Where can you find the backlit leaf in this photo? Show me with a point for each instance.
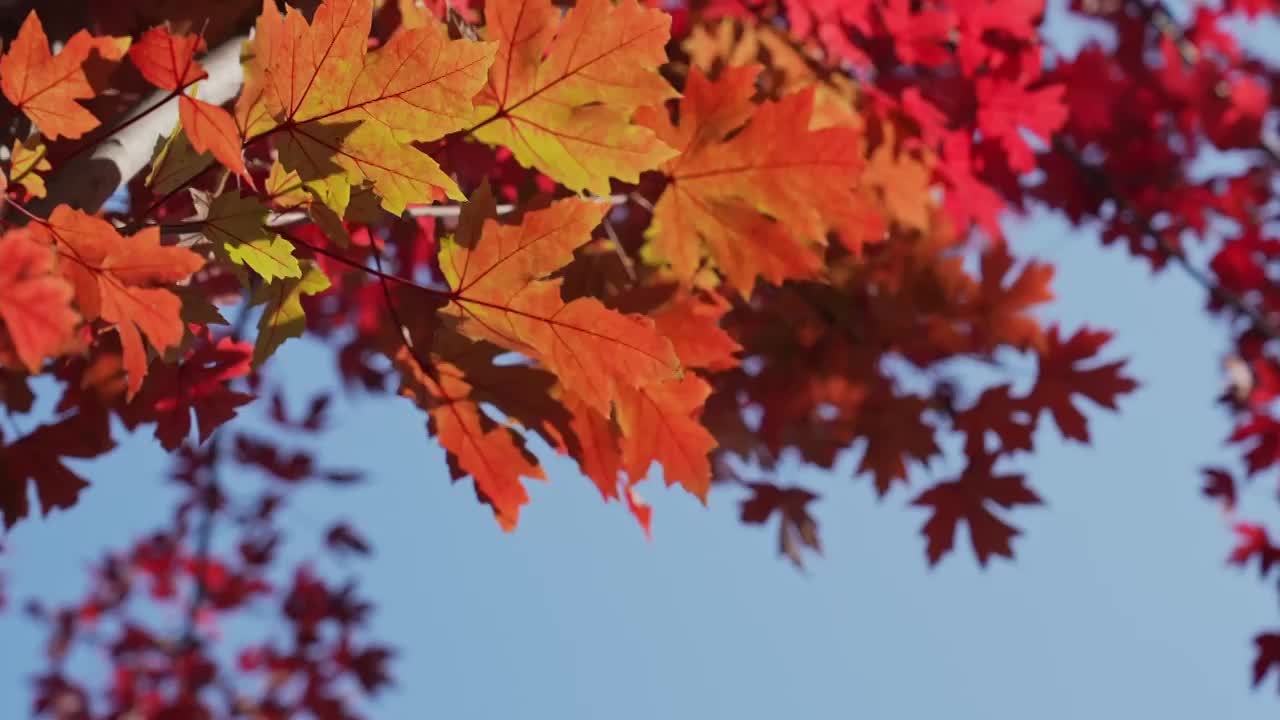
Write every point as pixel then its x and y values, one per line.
pixel 563 89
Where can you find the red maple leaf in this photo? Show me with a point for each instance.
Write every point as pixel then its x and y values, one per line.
pixel 37 457
pixel 197 384
pixel 967 500
pixel 1060 378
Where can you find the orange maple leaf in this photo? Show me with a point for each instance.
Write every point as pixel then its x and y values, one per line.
pixel 501 294
pixel 120 281
pixel 692 324
pixel 660 422
pixel 345 115
pixel 46 86
pixel 35 304
pixel 758 200
pixel 495 456
pixel 598 446
pixel 169 62
pixel 563 89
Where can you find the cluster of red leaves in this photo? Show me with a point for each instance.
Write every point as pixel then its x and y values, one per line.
pixel 1155 131
pixel 164 611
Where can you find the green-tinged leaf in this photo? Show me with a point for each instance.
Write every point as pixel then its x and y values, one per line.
pixel 283 317
pixel 237 228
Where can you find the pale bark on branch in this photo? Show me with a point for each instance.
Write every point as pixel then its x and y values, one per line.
pixel 87 181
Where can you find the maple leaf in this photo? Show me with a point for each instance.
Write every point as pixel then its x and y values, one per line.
pixel 563 89
pixel 596 446
pixel 37 457
pixel 796 527
pixel 1005 107
pixel 758 199
pixel 493 455
pixel 1268 656
pixel 169 62
pixel 45 86
pixel 1059 379
pixel 895 431
pixel 35 303
pixel 175 162
pixel 692 324
pixel 283 316
pixel 1254 541
pixel 120 281
pixel 997 411
pixel 966 500
pixel 347 115
pixel 1219 485
pixel 500 294
pixel 900 180
pixel 26 162
pixel 660 423
pixel 237 227
pixel 1004 310
pixel 197 384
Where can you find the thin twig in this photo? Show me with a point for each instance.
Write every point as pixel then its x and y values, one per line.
pixel 209 495
pixel 1256 316
pixel 1160 16
pixel 277 221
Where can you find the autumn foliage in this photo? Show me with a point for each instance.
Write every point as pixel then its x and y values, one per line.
pixel 675 242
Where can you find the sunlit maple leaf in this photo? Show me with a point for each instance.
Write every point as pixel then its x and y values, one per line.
pixel 26 162
pixel 346 115
pixel 37 457
pixel 1060 378
pixel 758 200
pixel 169 62
pixel 283 316
pixel 501 294
pixel 597 446
pixel 237 227
pixel 965 500
pixel 121 280
pixel 692 324
pixel 46 87
pixel 493 455
pixel 660 424
pixel 563 89
pixel 35 303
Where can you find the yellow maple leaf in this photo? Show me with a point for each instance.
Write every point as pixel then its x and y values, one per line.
pixel 344 116
pixel 562 91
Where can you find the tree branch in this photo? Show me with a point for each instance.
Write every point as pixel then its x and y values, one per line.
pixel 88 180
pixel 1257 317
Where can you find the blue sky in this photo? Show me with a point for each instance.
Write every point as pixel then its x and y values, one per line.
pixel 1119 601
